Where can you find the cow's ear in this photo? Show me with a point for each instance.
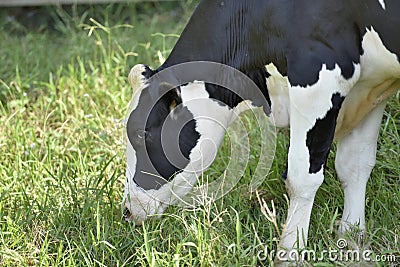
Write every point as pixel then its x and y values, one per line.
pixel 138 76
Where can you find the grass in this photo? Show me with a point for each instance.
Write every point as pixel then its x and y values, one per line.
pixel 64 93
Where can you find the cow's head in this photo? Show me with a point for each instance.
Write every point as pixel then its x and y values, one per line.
pixel 173 135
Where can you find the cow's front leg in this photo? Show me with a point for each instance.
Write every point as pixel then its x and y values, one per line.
pixel 314 111
pixel 311 136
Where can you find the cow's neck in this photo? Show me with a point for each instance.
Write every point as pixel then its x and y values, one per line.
pixel 232 33
pixel 231 38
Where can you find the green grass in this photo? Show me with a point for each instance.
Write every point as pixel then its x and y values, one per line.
pixel 64 93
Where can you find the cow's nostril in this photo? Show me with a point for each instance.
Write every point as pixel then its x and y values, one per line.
pixel 127 213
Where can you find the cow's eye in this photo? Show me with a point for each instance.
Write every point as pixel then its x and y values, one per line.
pixel 141 135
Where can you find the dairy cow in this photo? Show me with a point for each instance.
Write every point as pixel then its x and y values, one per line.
pixel 326 68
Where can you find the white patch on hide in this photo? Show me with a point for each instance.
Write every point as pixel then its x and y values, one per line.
pixel 382 3
pixel 278 90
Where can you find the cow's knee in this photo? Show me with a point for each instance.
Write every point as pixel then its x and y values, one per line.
pixel 301 183
pixel 354 164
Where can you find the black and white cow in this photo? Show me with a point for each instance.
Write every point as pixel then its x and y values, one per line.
pixel 326 67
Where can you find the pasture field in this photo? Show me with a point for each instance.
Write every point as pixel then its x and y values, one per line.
pixel 63 98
